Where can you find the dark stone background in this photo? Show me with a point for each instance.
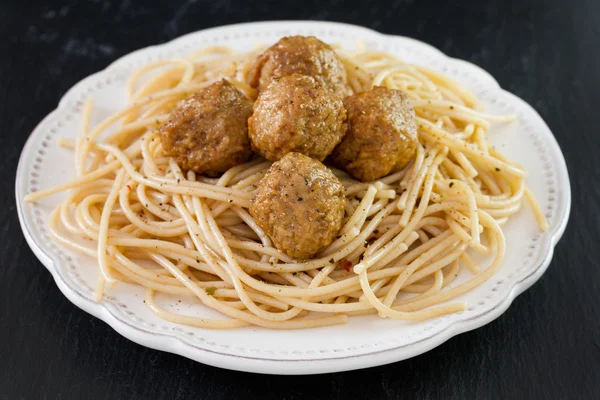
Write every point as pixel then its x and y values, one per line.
pixel 546 345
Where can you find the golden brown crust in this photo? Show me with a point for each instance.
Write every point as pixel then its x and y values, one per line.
pixel 381 136
pixel 300 204
pixel 208 132
pixel 305 55
pixel 296 113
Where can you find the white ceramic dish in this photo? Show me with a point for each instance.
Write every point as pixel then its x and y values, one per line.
pixel 364 341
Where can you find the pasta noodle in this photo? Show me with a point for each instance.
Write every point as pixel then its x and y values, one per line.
pixel 404 240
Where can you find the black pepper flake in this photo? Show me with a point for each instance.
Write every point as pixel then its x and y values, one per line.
pixel 331 260
pixel 451 184
pixel 294 273
pixel 299 198
pixel 178 180
pixel 497 169
pixel 231 201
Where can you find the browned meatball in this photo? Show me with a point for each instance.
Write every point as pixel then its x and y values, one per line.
pixel 208 132
pixel 300 204
pixel 296 113
pixel 381 136
pixel 305 55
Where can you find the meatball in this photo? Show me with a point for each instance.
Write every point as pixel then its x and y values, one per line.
pixel 208 132
pixel 305 55
pixel 300 204
pixel 381 136
pixel 296 113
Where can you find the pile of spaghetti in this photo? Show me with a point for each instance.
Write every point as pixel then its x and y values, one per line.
pixel 404 239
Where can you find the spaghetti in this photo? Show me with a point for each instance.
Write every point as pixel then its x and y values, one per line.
pixel 404 239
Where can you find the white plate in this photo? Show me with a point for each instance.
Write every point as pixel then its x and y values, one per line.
pixel 364 341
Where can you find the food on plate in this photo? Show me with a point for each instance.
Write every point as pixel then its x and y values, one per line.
pixel 208 132
pixel 305 55
pixel 296 113
pixel 300 204
pixel 167 194
pixel 381 136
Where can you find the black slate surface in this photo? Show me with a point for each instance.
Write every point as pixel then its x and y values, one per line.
pixel 547 345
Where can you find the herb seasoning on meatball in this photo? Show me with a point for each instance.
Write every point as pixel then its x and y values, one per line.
pixel 300 204
pixel 305 55
pixel 208 132
pixel 381 136
pixel 296 113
